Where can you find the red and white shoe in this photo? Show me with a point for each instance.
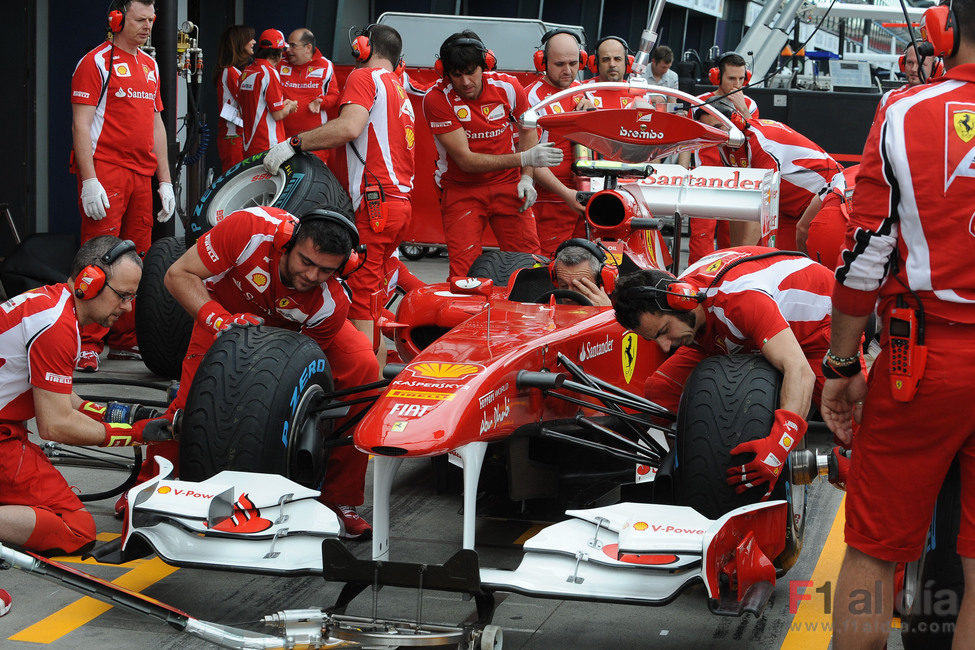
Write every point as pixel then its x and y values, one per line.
pixel 353 526
pixel 87 361
pixel 6 601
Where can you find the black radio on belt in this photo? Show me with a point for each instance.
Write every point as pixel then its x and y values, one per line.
pixel 376 207
pixel 907 354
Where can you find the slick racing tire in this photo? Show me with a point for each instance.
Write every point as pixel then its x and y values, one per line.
pixel 253 405
pixel 935 584
pixel 499 265
pixel 302 184
pixel 162 326
pixel 414 252
pixel 728 400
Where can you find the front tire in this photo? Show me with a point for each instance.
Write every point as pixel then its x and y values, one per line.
pixel 252 407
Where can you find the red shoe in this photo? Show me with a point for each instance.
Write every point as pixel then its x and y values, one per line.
pixel 6 602
pixel 353 526
pixel 87 361
pixel 130 354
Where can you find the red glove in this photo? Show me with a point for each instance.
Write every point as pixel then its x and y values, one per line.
pixel 218 319
pixel 770 454
pixel 139 432
pixel 93 410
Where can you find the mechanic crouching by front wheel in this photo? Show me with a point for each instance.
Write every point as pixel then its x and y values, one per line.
pixel 261 265
pixel 741 300
pixel 39 346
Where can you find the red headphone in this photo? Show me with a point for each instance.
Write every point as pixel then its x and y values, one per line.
pixel 490 61
pixel 593 59
pixel 606 277
pixel 937 70
pixel 714 74
pixel 540 59
pixel 939 27
pixel 362 49
pixel 287 233
pixel 671 295
pixel 737 119
pixel 92 279
pixel 116 17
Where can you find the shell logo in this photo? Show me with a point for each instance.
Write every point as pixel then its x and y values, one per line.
pixel 463 113
pixel 445 370
pixel 641 525
pixel 259 279
pixel 410 137
pixel 164 490
pixel 122 70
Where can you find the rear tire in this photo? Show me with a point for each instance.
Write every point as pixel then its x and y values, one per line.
pixel 728 400
pixel 252 404
pixel 162 326
pixel 500 265
pixel 302 184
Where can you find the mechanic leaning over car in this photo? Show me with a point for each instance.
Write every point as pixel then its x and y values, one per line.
pixel 261 265
pixel 806 171
pixel 473 113
pixel 558 216
pixel 39 345
pixel 119 142
pixel 910 247
pixel 376 125
pixel 748 299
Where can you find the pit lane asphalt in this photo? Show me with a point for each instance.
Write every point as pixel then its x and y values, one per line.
pixel 426 527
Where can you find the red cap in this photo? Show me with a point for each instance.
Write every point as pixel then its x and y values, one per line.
pixel 272 39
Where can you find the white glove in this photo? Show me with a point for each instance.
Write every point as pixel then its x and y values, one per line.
pixel 526 191
pixel 277 155
pixel 93 198
pixel 541 155
pixel 168 200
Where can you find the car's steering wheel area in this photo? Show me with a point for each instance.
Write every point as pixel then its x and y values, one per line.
pixel 564 294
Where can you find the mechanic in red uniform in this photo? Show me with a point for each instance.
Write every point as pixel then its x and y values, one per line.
pixel 234 53
pixel 730 74
pixel 39 344
pixel 376 125
pixel 258 264
pixel 806 171
pixel 119 142
pixel 826 237
pixel 473 113
pixel 558 216
pixel 931 66
pixel 308 78
pixel 610 61
pixel 910 247
pixel 260 95
pixel 748 299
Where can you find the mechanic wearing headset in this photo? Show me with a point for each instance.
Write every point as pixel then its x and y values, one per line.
pixel 931 66
pixel 376 125
pixel 39 345
pixel 260 95
pixel 558 216
pixel 749 299
pixel 580 266
pixel 261 265
pixel 730 75
pixel 473 113
pixel 806 171
pixel 909 253
pixel 119 142
pixel 308 78
pixel 611 61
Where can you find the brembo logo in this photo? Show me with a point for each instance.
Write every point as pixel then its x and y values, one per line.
pixel 640 135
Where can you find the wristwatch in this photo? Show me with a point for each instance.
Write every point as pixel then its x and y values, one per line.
pixel 295 142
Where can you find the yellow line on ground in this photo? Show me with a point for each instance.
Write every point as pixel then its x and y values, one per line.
pixel 811 626
pixel 86 609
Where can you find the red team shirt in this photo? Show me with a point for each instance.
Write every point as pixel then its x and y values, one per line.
pixel 609 99
pixel 757 299
pixel 488 121
pixel 260 93
pixel 304 84
pixel 536 92
pixel 709 156
pixel 241 253
pixel 386 145
pixel 227 94
pixel 39 345
pixel 122 131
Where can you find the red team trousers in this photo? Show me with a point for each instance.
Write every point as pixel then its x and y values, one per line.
pixel 380 246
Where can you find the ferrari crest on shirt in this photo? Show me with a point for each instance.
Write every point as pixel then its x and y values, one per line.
pixel 493 112
pixel 463 113
pixel 959 153
pixel 316 73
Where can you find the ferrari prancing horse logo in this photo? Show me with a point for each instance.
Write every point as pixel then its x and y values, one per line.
pixel 964 122
pixel 630 341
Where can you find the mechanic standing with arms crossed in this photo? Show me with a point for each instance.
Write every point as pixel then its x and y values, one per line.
pixel 473 112
pixel 376 125
pixel 119 142
pixel 910 246
pixel 39 345
pixel 558 216
pixel 261 265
